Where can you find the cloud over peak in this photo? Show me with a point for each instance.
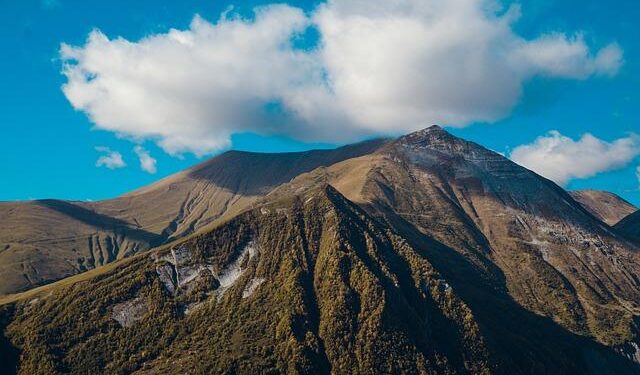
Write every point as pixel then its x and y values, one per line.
pixel 380 66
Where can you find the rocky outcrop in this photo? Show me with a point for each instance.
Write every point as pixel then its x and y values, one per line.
pixel 128 312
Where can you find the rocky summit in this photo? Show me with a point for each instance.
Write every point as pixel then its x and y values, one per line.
pixel 425 254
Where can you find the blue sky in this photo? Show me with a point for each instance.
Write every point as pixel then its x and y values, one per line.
pixel 48 147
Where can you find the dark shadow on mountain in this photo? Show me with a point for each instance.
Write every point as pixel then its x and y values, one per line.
pixel 523 342
pixel 101 221
pixel 253 173
pixel 418 314
pixel 629 227
pixel 9 355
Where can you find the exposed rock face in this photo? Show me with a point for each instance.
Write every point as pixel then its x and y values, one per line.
pixel 230 274
pixel 604 205
pixel 178 270
pixel 252 286
pixel 127 313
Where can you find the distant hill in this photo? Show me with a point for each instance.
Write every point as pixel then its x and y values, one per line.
pixel 604 205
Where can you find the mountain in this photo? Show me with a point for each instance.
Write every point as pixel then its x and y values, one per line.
pixel 428 254
pixel 604 205
pixel 46 240
pixel 517 229
pixel 629 227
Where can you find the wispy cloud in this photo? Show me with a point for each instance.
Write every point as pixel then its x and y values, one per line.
pixel 380 66
pixel 147 162
pixel 111 159
pixel 50 4
pixel 562 159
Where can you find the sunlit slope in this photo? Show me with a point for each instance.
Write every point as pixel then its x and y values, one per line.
pixel 42 241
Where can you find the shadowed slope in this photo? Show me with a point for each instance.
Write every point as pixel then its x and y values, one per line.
pixel 629 227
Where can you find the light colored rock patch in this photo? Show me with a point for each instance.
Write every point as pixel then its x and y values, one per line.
pixel 165 274
pixel 252 286
pixel 232 272
pixel 176 272
pixel 181 255
pixel 127 313
pixel 192 307
pixel 189 273
pixel 443 286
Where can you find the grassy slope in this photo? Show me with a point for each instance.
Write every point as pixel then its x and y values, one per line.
pixel 46 240
pixel 604 205
pixel 343 293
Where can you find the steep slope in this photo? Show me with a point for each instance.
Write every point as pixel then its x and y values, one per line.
pixel 429 254
pixel 308 283
pixel 629 227
pixel 42 241
pixel 516 229
pixel 558 260
pixel 604 205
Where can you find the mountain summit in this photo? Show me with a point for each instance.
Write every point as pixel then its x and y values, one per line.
pixel 422 254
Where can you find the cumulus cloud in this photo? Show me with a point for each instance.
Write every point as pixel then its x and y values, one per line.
pixel 562 159
pixel 380 67
pixel 110 159
pixel 147 162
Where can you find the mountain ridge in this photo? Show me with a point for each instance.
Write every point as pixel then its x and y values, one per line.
pixel 350 264
pixel 425 254
pixel 196 197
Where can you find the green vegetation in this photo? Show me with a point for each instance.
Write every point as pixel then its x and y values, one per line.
pixel 343 294
pixel 448 264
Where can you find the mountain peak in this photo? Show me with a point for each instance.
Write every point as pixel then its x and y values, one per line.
pixel 434 134
pixel 433 130
pixel 435 138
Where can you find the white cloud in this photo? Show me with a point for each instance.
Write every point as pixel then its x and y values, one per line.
pixel 638 175
pixel 380 66
pixel 111 159
pixel 147 162
pixel 562 159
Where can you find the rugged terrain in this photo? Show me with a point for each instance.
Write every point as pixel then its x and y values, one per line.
pixel 604 205
pixel 425 254
pixel 46 240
